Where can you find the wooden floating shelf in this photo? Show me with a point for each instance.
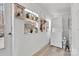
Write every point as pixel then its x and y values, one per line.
pixel 26 19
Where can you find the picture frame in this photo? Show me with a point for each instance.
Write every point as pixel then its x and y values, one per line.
pixel 19 11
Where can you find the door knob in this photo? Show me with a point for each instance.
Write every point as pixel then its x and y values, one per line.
pixel 9 33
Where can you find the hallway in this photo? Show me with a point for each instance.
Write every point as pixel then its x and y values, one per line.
pixel 52 51
pixel 26 28
pixel 33 26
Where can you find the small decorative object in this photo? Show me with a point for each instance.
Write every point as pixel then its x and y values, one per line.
pixel 31 30
pixel 27 15
pixel 33 17
pixel 47 26
pixel 36 30
pixel 36 18
pixel 42 25
pixel 19 10
pixel 30 16
pixel 41 29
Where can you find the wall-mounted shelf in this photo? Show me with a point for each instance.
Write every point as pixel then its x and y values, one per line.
pixel 29 20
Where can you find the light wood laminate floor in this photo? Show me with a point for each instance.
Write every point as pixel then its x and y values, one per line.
pixel 52 51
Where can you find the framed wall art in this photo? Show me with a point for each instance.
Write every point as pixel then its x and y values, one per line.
pixel 19 11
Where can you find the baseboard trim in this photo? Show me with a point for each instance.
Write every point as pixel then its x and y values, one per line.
pixel 57 47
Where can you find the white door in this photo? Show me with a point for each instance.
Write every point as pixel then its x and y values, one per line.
pixel 7 48
pixel 56 32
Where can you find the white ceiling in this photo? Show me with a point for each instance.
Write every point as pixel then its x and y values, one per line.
pixel 56 7
pixel 49 9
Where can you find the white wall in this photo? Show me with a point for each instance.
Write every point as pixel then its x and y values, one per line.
pixel 18 36
pixel 75 29
pixel 27 44
pixel 56 34
pixel 35 42
pixel 65 25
